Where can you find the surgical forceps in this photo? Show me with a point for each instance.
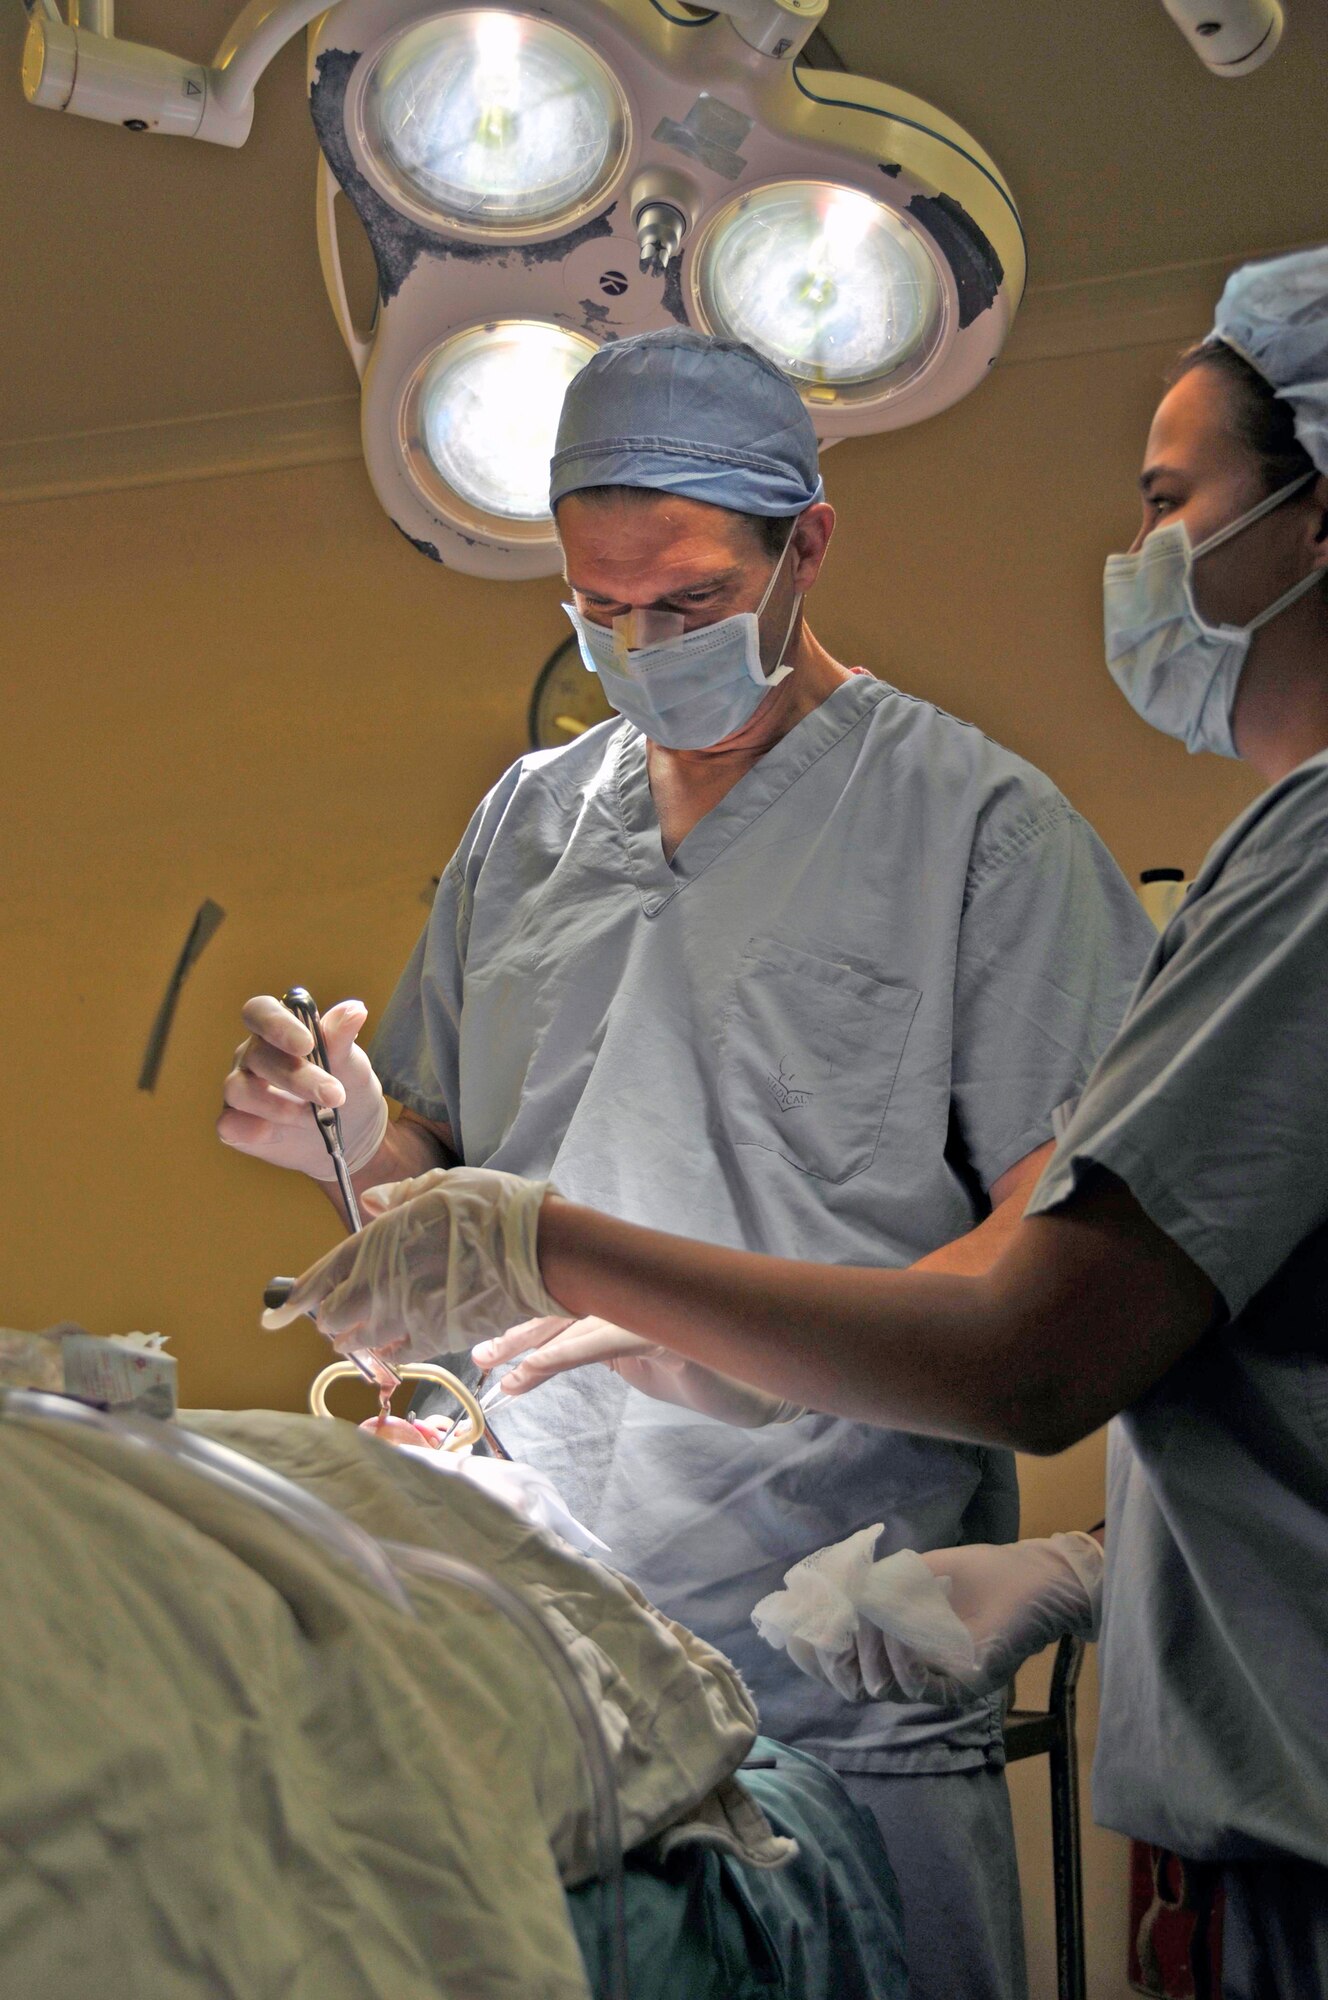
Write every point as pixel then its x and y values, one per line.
pixel 370 1363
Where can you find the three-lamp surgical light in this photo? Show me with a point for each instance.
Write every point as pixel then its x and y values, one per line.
pixel 536 183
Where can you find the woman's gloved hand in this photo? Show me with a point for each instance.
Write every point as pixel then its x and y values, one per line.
pixel 271 1085
pixel 449 1258
pixel 546 1347
pixel 942 1627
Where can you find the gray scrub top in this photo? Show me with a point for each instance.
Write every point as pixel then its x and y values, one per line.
pixel 1213 1107
pixel 851 1001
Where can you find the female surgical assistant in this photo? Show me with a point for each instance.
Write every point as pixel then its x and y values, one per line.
pixel 1171 1269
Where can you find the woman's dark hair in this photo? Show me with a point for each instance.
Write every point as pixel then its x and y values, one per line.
pixel 771 531
pixel 1263 422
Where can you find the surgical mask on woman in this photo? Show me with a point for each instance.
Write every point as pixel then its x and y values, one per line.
pixel 1175 669
pixel 691 689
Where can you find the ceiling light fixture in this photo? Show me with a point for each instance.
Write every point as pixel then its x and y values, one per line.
pixel 535 181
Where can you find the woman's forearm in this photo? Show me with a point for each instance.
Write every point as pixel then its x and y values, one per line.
pixel 1082 1313
pixel 919 1352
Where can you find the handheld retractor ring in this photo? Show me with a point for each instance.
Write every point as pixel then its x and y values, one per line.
pixel 470 1432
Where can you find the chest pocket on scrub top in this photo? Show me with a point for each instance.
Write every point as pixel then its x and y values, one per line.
pixel 811 1049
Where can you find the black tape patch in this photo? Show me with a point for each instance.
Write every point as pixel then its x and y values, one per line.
pixel 398 243
pixel 671 297
pixel 594 316
pixel 425 548
pixel 978 272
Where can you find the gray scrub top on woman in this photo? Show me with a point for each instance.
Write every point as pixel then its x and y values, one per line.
pixel 848 1005
pixel 1212 1106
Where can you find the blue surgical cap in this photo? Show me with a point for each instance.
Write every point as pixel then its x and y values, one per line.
pixel 1275 315
pixel 677 412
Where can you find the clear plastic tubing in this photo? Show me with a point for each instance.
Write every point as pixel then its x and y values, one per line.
pixel 378 1564
pixel 595 1750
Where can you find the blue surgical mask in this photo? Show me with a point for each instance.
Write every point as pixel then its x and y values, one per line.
pixel 1177 671
pixel 690 689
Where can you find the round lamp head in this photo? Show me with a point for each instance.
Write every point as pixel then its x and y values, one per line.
pixel 493 122
pixel 481 416
pixel 836 289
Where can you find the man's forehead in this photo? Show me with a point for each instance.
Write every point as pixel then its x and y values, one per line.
pixel 674 545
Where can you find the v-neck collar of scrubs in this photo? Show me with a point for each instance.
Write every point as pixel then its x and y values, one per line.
pixel 658 880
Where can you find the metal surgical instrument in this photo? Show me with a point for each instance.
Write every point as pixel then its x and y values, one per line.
pixel 300 1002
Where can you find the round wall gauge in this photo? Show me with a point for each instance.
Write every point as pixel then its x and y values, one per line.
pixel 566 700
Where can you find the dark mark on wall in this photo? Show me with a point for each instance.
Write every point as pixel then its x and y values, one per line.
pixel 208 919
pixel 978 272
pixel 892 168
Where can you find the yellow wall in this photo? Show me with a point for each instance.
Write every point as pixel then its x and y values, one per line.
pixel 252 689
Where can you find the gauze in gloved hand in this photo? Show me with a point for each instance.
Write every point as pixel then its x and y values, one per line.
pixel 817 1618
pixel 942 1627
pixel 450 1258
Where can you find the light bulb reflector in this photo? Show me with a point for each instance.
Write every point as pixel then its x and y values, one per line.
pixel 831 286
pixel 494 119
pixel 488 409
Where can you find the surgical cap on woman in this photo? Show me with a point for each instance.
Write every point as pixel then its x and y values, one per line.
pixel 677 412
pixel 1275 315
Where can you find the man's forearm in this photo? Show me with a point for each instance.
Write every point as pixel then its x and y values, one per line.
pixel 409 1147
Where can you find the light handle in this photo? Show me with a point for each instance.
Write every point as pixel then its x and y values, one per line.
pixel 358 345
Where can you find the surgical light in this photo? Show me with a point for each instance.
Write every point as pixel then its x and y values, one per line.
pixel 538 178
pixel 832 286
pixel 494 121
pixel 485 415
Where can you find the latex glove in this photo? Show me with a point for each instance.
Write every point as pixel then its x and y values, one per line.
pixel 271 1086
pixel 450 1257
pixel 551 1345
pixel 942 1627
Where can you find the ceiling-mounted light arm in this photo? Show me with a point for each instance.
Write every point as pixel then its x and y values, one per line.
pixel 97 16
pixel 83 67
pixel 1230 37
pixel 776 28
pixel 253 39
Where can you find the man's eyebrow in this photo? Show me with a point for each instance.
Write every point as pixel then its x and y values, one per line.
pixel 717 577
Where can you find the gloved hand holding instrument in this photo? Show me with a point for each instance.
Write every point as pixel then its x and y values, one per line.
pixel 300 1004
pixel 445 1259
pixel 293 1061
pixel 450 1259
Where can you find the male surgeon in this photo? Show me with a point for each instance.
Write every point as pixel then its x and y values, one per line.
pixel 783 959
